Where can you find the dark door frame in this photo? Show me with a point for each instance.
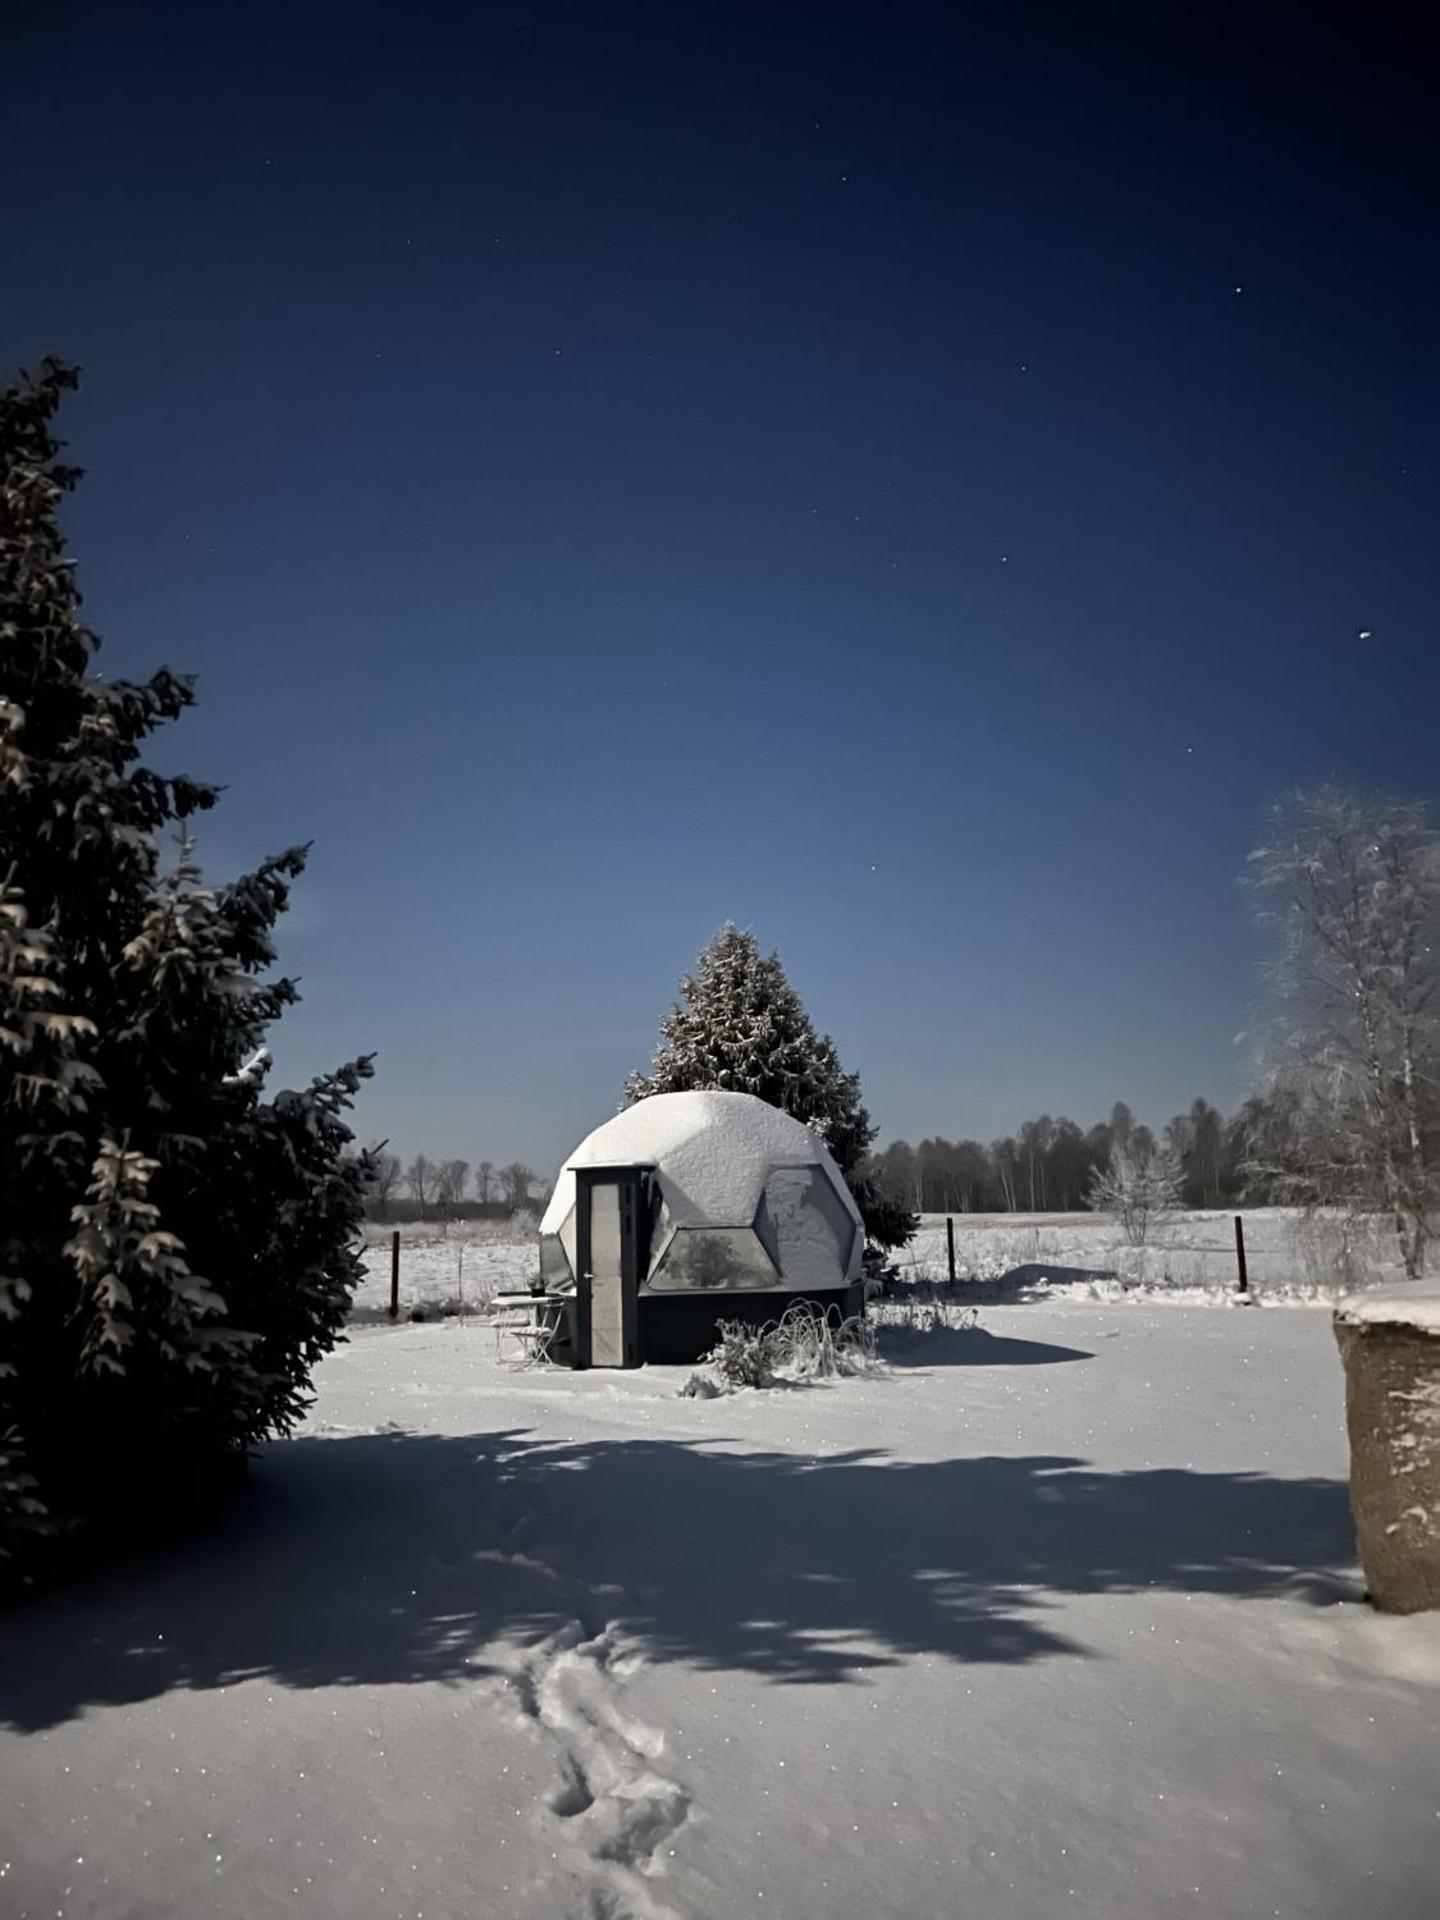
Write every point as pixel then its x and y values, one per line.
pixel 633 1180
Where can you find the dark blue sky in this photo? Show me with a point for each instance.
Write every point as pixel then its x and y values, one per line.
pixel 907 480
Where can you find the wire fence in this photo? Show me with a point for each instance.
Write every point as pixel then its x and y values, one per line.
pixel 424 1272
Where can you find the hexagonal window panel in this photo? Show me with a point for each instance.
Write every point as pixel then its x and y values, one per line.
pixel 713 1259
pixel 555 1268
pixel 813 1231
pixel 566 1237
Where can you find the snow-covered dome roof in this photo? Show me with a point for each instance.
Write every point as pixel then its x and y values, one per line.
pixel 713 1155
pixel 711 1151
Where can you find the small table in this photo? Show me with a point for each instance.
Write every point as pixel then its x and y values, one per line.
pixel 533 1321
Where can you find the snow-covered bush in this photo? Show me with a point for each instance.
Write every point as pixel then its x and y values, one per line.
pixel 979 1273
pixel 811 1344
pixel 1337 1249
pixel 742 1357
pixel 1135 1185
pixel 923 1316
pixel 805 1343
pixel 175 1251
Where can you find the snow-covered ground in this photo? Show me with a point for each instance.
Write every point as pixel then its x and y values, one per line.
pixel 1189 1256
pixel 455 1269
pixel 1057 1616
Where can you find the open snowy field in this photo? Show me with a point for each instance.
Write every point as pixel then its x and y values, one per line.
pixel 1290 1255
pixel 1190 1257
pixel 458 1268
pixel 1054 1617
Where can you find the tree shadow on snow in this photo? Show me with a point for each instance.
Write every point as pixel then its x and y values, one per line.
pixel 1021 1280
pixel 1032 1281
pixel 970 1347
pixel 1035 1280
pixel 392 1558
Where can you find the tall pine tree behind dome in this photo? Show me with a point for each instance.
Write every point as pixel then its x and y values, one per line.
pixel 175 1250
pixel 740 1027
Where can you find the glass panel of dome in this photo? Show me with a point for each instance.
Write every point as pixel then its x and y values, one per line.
pixel 814 1231
pixel 765 1231
pixel 842 1224
pixel 567 1240
pixel 713 1259
pixel 662 1229
pixel 554 1266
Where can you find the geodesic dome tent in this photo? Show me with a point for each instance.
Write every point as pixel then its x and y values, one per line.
pixel 730 1204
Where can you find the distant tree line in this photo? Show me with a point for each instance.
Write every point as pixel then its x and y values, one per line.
pixel 1051 1164
pixel 426 1189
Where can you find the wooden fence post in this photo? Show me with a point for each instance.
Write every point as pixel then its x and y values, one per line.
pixel 395 1275
pixel 950 1245
pixel 1244 1285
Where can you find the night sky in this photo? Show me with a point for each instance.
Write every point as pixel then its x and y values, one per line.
pixel 912 481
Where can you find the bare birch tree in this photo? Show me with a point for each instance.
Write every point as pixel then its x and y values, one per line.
pixel 385 1178
pixel 517 1180
pixel 1354 887
pixel 449 1178
pixel 420 1179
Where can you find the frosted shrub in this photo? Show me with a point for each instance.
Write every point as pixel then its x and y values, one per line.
pixel 1135 1187
pixel 811 1344
pixel 805 1343
pixel 1337 1250
pixel 1144 1267
pixel 982 1274
pixel 921 1317
pixel 742 1357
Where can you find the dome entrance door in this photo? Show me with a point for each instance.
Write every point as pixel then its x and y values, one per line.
pixel 609 1214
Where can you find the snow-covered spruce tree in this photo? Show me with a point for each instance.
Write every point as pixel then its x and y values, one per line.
pixel 175 1251
pixel 739 1027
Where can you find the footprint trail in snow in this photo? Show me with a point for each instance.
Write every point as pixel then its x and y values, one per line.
pixel 613 1807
